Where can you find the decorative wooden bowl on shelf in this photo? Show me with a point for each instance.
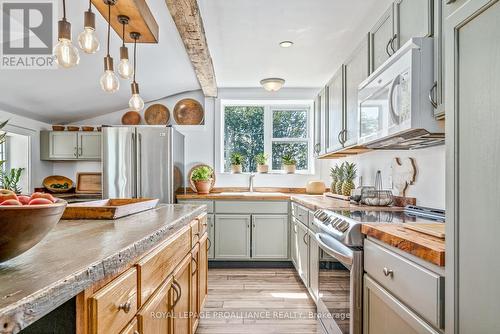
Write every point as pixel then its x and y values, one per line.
pixel 131 118
pixel 157 114
pixel 191 182
pixel 73 128
pixel 22 227
pixel 57 183
pixel 58 127
pixel 87 128
pixel 189 112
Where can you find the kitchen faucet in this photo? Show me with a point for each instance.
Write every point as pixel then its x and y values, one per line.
pixel 250 182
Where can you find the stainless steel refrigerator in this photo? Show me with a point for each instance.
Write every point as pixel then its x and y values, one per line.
pixel 142 161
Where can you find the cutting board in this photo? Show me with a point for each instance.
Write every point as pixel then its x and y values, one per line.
pixel 88 183
pixel 434 229
pixel 109 208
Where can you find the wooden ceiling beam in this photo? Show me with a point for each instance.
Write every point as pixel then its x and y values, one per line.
pixel 187 18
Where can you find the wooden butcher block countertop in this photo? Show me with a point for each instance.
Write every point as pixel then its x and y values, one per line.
pixel 426 247
pixel 315 202
pixel 78 253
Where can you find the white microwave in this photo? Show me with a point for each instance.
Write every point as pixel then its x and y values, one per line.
pixel 394 111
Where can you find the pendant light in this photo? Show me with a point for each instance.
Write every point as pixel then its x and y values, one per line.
pixel 109 81
pixel 87 39
pixel 66 55
pixel 125 70
pixel 136 102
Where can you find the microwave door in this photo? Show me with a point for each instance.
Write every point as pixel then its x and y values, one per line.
pixel 373 112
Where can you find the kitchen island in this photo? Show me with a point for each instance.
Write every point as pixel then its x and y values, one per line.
pixel 80 254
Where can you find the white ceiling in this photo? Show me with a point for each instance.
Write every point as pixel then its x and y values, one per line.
pixel 244 35
pixel 67 95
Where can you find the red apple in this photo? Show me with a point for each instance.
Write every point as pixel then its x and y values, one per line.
pixel 38 201
pixel 24 199
pixel 43 195
pixel 6 194
pixel 11 202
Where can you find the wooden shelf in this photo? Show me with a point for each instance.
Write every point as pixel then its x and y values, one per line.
pixel 141 19
pixel 346 152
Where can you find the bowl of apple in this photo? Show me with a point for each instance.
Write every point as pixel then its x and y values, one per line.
pixel 26 220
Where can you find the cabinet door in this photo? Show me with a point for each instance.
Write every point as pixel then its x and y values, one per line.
pixel 232 237
pixel 211 235
pixel 356 70
pixel 154 316
pixel 384 314
pixel 381 36
pixel 313 267
pixel 336 111
pixel 436 95
pixel 323 120
pixel 413 18
pixel 203 272
pixel 89 145
pixel 472 143
pixel 303 253
pixel 270 236
pixel 181 294
pixel 132 328
pixel 317 126
pixel 294 245
pixel 195 287
pixel 63 145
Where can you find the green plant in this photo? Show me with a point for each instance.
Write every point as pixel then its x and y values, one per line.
pixel 202 173
pixel 261 158
pixel 9 180
pixel 236 159
pixel 288 159
pixel 349 176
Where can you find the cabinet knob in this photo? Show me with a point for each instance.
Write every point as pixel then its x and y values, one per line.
pixel 125 306
pixel 388 272
pixel 136 332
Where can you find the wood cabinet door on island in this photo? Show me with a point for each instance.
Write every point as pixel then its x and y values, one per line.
pixel 181 294
pixel 195 286
pixel 203 272
pixel 132 328
pixel 152 318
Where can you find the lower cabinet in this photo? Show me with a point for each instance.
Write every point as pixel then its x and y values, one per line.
pixel 294 242
pixel 313 267
pixel 203 272
pixel 384 314
pixel 232 237
pixel 181 295
pixel 270 237
pixel 303 253
pixel 154 316
pixel 132 328
pixel 195 287
pixel 211 236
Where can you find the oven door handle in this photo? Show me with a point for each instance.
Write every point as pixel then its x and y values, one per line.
pixel 336 249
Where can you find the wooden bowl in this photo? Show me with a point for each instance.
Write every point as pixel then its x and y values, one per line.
pixel 157 114
pixel 188 112
pixel 58 127
pixel 73 128
pixel 22 227
pixel 131 118
pixel 87 128
pixel 191 182
pixel 50 182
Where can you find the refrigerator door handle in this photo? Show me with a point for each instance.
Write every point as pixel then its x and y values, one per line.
pixel 133 149
pixel 139 169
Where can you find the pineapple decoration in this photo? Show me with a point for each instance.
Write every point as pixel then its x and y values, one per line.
pixel 334 174
pixel 340 178
pixel 349 174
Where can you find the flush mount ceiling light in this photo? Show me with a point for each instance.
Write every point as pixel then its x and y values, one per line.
pixel 136 103
pixel 87 39
pixel 286 44
pixel 272 84
pixel 65 53
pixel 109 81
pixel 124 68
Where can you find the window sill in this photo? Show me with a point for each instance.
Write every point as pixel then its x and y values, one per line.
pixel 303 173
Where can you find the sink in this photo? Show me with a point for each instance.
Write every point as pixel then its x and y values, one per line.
pixel 250 194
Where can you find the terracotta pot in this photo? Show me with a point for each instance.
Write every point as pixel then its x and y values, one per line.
pixel 203 187
pixel 236 169
pixel 262 168
pixel 289 169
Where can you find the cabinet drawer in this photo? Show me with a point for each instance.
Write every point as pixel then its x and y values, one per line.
pixel 113 306
pixel 249 207
pixel 209 204
pixel 155 267
pixel 419 288
pixel 202 224
pixel 195 232
pixel 301 213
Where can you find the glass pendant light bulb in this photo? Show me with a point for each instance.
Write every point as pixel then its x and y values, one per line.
pixel 125 69
pixel 136 103
pixel 109 81
pixel 87 40
pixel 66 54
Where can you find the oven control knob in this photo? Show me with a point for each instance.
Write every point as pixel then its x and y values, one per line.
pixel 344 226
pixel 336 221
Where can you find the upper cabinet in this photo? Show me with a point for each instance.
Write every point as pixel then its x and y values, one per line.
pixel 320 118
pixel 382 38
pixel 66 145
pixel 336 100
pixel 413 18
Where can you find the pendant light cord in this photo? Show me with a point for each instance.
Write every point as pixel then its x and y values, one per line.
pixel 109 24
pixel 64 10
pixel 135 54
pixel 123 33
pixel 90 5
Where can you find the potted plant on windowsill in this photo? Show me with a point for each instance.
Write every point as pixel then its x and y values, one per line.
pixel 261 160
pixel 289 163
pixel 236 163
pixel 202 178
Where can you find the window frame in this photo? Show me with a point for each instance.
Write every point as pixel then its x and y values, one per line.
pixel 269 107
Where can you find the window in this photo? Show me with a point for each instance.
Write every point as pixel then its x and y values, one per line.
pixel 276 130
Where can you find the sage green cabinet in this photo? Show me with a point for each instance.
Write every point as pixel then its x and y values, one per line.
pixel 472 36
pixel 302 253
pixel 336 104
pixel 211 235
pixel 320 119
pixel 232 237
pixel 382 38
pixel 313 266
pixel 66 145
pixel 294 243
pixel 413 18
pixel 270 237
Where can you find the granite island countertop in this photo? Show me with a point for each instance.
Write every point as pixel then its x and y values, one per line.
pixel 78 253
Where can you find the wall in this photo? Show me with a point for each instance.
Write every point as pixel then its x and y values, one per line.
pixel 429 187
pixel 29 127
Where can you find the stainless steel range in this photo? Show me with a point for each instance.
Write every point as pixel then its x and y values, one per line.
pixel 341 261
